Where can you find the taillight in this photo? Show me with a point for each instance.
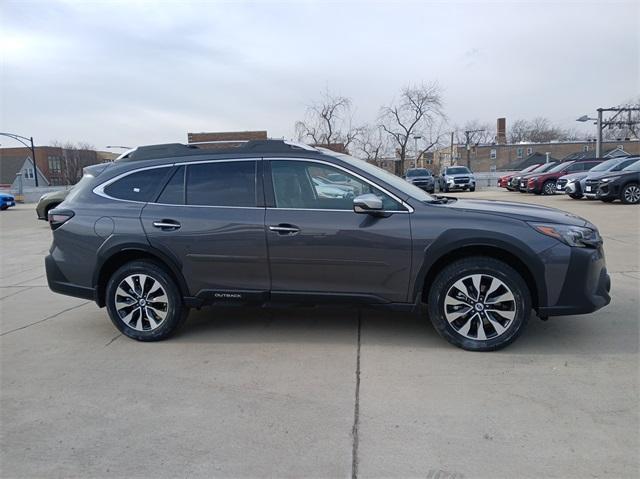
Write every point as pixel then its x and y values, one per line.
pixel 59 217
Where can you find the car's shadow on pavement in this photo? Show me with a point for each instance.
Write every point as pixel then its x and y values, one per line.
pixel 588 334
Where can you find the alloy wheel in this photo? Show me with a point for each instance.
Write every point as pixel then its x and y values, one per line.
pixel 632 194
pixel 141 302
pixel 480 307
pixel 549 188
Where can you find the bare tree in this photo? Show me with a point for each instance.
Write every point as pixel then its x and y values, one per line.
pixel 371 144
pixel 483 133
pixel 414 113
pixel 538 130
pixel 630 123
pixel 328 122
pixel 74 158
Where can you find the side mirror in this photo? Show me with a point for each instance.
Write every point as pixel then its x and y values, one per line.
pixel 367 204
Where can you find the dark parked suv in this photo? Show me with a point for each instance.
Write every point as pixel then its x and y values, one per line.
pixel 167 228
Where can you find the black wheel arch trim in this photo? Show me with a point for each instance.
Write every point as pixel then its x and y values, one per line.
pixel 110 250
pixel 463 239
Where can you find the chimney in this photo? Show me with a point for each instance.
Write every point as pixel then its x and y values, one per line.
pixel 501 131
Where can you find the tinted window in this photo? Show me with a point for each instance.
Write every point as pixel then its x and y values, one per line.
pixel 456 170
pixel 173 193
pixel 576 167
pixel 139 186
pixel 307 185
pixel 634 166
pixel 418 172
pixel 223 183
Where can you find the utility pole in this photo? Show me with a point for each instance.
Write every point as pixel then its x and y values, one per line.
pixel 613 121
pixel 467 136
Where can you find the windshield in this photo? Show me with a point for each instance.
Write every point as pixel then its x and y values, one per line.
pixel 635 166
pixel 389 178
pixel 418 172
pixel 606 165
pixel 457 170
pixel 530 168
pixel 624 164
pixel 560 167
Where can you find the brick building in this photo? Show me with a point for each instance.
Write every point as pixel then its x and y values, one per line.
pixel 225 139
pixel 501 155
pixel 58 166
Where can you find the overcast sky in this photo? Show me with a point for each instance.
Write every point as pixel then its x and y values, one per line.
pixel 138 72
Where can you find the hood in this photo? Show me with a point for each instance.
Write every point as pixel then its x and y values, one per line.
pixel 55 195
pixel 456 175
pixel 574 176
pixel 521 211
pixel 6 195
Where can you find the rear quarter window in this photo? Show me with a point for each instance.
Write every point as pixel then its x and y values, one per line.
pixel 138 186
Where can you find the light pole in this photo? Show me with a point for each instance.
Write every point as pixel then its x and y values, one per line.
pixel 600 123
pixel 22 140
pixel 415 139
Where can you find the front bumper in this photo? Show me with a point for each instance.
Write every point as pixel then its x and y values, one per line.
pixel 608 191
pixel 7 204
pixel 586 286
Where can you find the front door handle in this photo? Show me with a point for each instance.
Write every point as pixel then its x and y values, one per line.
pixel 167 225
pixel 285 229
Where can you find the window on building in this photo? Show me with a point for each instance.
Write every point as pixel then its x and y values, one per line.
pixel 28 173
pixel 139 186
pixel 55 165
pixel 222 183
pixel 529 150
pixel 585 147
pixel 494 154
pixel 519 152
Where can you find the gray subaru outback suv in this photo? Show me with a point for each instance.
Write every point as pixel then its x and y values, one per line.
pixel 172 227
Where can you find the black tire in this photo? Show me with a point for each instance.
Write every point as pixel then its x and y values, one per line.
pixel 607 200
pixel 4 208
pixel 548 188
pixel 575 197
pixel 473 188
pixel 175 312
pixel 485 267
pixel 630 194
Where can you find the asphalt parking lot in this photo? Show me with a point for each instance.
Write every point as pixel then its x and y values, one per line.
pixel 257 393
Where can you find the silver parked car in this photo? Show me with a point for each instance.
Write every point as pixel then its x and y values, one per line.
pixel 457 177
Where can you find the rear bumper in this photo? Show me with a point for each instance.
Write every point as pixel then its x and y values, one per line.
pixel 58 283
pixel 586 286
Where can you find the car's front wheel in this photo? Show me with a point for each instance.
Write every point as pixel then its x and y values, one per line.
pixel 630 194
pixel 144 301
pixel 549 187
pixel 479 304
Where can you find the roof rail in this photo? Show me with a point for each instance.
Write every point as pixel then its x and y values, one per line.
pixel 178 149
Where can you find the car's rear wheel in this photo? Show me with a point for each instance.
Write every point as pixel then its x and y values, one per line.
pixel 630 194
pixel 549 187
pixel 574 196
pixel 144 301
pixel 479 304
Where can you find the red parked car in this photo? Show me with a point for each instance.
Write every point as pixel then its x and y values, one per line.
pixel 503 181
pixel 545 183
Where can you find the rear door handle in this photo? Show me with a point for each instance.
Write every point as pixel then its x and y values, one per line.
pixel 167 225
pixel 285 229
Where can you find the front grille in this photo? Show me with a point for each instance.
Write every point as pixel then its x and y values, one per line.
pixel 561 183
pixel 591 186
pixel 460 181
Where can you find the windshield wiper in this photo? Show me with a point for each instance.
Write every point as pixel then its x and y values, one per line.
pixel 440 200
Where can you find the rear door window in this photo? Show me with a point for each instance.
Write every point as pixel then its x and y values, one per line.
pixel 173 193
pixel 139 186
pixel 222 183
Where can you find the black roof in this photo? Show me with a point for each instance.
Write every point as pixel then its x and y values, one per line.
pixel 178 149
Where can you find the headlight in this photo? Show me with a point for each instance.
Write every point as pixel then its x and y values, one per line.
pixel 571 235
